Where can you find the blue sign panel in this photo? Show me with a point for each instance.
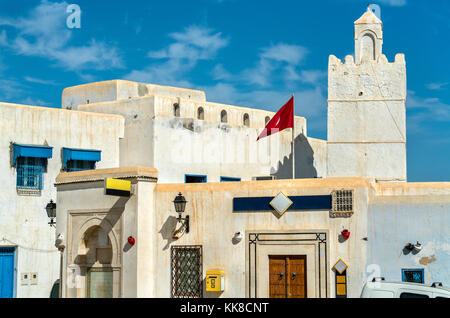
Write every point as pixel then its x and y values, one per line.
pixel 311 202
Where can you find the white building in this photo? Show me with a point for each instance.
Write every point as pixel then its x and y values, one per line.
pixel 161 138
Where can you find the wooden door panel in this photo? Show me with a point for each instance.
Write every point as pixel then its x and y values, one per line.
pixel 296 282
pixel 277 282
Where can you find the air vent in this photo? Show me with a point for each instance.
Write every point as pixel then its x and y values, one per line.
pixel 342 203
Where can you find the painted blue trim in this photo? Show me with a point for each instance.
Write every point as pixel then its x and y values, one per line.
pixel 312 202
pixel 229 179
pixel 30 173
pixel 80 154
pixel 31 151
pixel 417 270
pixel 7 272
pixel 203 177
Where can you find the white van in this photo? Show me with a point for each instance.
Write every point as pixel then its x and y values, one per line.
pixel 383 289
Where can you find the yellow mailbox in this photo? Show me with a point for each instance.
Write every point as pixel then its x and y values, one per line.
pixel 215 281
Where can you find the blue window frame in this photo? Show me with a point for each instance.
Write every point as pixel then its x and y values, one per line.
pixel 193 178
pixel 30 162
pixel 80 159
pixel 30 172
pixel 229 179
pixel 415 275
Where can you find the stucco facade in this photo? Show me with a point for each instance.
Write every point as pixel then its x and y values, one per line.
pixel 24 222
pixel 155 136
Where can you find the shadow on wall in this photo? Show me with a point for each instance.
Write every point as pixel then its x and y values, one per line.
pixel 304 161
pixel 167 230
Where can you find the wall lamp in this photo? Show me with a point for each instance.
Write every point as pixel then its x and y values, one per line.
pixel 180 205
pixel 51 212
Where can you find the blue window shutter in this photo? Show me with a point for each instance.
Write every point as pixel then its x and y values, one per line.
pixel 81 155
pixel 229 179
pixel 31 151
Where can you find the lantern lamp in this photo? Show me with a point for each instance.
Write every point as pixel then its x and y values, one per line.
pixel 51 212
pixel 180 205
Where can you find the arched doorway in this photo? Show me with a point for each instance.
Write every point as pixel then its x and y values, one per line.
pixel 95 255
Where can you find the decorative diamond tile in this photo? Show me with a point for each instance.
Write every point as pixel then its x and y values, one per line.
pixel 281 203
pixel 340 266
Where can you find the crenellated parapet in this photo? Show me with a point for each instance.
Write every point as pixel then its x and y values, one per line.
pixel 377 79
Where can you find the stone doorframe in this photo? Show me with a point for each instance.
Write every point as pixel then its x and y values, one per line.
pixel 110 221
pixel 261 244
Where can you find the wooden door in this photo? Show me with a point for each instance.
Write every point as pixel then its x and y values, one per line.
pixel 287 276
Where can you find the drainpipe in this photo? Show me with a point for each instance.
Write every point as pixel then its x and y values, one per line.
pixel 61 250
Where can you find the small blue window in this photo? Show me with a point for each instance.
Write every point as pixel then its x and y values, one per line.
pixel 229 179
pixel 80 165
pixel 80 159
pixel 191 178
pixel 413 275
pixel 30 172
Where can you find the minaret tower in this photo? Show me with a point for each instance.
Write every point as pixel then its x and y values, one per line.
pixel 367 109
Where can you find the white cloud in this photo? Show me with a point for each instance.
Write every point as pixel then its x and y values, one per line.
pixel 39 81
pixel 393 3
pixel 425 109
pixel 34 102
pixel 43 33
pixel 291 54
pixel 436 86
pixel 220 73
pixel 10 88
pixel 189 47
pixel 312 76
pixel 287 56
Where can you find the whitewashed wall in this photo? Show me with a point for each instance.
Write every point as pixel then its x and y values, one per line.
pixel 23 219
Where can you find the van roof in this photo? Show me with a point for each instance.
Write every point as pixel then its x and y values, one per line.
pixel 414 285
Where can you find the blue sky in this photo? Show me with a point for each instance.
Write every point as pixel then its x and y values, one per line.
pixel 242 52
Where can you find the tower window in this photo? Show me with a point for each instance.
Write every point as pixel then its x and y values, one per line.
pixel 368 47
pixel 200 113
pixel 223 117
pixel 176 110
pixel 246 120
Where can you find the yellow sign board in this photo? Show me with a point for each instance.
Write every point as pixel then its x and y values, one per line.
pixel 215 281
pixel 117 187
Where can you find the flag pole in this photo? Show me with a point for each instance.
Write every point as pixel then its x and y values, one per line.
pixel 293 139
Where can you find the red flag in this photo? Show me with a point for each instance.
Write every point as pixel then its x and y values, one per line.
pixel 283 119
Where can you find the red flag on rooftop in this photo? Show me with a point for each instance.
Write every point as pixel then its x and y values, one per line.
pixel 283 119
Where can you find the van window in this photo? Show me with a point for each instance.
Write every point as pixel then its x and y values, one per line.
pixel 413 295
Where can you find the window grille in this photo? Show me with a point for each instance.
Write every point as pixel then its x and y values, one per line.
pixel 30 172
pixel 186 269
pixel 342 203
pixel 80 165
pixel 413 275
